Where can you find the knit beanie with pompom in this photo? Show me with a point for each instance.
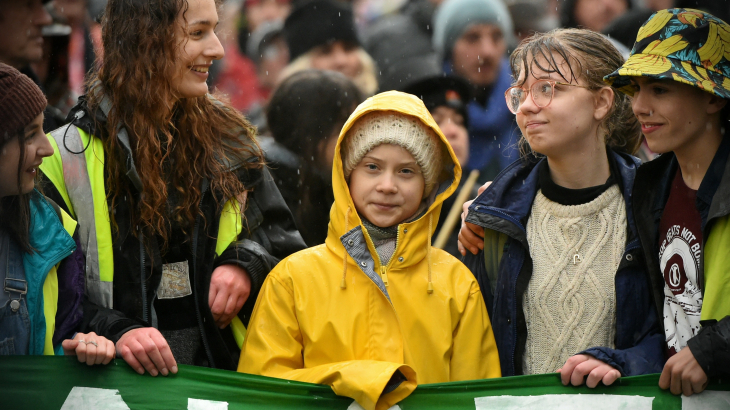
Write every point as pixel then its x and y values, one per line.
pixel 20 102
pixel 390 127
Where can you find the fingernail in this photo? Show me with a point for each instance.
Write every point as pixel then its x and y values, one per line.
pixel 164 371
pixel 153 372
pixel 174 369
pixel 140 371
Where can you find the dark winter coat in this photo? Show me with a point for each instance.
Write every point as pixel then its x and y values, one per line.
pixel 711 346
pixel 504 269
pixel 268 235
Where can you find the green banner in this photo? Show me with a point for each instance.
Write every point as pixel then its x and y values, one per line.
pixel 53 383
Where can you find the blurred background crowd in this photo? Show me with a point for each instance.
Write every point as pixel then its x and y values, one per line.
pixel 298 68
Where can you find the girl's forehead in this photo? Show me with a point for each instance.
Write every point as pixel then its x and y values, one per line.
pixel 553 66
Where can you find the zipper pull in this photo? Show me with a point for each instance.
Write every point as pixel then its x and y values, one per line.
pixel 384 275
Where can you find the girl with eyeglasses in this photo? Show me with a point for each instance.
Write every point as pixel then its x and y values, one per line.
pixel 552 240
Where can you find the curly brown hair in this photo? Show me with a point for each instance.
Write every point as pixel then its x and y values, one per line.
pixel 175 141
pixel 590 56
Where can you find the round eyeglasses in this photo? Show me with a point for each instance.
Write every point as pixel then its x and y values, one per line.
pixel 542 94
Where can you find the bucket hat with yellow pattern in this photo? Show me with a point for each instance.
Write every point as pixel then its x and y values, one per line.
pixel 684 45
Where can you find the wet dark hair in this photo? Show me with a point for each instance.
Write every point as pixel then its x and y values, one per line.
pixel 305 110
pixel 590 57
pixel 309 106
pixel 15 209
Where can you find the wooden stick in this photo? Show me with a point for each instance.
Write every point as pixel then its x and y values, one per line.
pixel 455 212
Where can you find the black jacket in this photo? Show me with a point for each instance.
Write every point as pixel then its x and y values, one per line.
pixel 268 235
pixel 711 346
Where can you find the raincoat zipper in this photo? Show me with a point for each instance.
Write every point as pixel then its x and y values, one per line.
pixel 384 268
pixel 195 269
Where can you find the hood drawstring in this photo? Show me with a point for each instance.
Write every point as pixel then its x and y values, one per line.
pixel 343 284
pixel 428 253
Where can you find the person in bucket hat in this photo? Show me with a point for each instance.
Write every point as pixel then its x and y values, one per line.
pixel 678 75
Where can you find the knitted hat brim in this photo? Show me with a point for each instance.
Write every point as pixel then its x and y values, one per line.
pixel 668 68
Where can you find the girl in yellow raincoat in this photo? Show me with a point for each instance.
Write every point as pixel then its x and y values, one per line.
pixel 376 310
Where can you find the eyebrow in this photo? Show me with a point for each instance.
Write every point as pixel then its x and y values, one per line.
pixel 204 23
pixel 31 128
pixel 381 160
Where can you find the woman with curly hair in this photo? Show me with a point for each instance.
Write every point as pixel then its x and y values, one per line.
pixel 180 220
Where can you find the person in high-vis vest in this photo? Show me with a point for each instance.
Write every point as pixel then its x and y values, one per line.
pixel 41 267
pixel 180 220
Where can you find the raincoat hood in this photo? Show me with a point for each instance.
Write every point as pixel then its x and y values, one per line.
pixel 344 217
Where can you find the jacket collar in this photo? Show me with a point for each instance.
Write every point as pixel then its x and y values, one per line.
pixel 513 191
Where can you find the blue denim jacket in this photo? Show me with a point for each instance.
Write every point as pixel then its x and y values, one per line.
pixel 503 270
pixel 23 331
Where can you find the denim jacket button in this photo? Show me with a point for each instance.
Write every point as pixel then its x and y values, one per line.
pixel 629 257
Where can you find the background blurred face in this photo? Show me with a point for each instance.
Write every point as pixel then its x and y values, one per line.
pixel 387 185
pixel 596 14
pixel 338 56
pixel 37 147
pixel 260 11
pixel 21 21
pixel 452 125
pixel 478 52
pixel 199 46
pixel 274 59
pixel 568 124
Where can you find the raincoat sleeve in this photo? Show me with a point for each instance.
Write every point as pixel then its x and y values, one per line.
pixel 274 347
pixel 475 353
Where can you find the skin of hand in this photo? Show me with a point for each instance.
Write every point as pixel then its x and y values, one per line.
pixel 683 375
pixel 230 287
pixel 81 347
pixel 471 236
pixel 575 370
pixel 146 349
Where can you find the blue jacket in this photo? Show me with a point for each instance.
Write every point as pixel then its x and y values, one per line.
pixel 493 133
pixel 51 281
pixel 504 268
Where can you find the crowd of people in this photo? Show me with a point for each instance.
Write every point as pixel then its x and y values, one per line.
pixel 256 185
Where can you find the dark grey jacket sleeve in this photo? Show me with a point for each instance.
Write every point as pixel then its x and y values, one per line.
pixel 711 348
pixel 269 233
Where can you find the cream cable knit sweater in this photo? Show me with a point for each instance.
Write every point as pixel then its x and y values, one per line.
pixel 570 302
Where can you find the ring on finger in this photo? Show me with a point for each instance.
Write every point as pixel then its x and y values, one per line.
pixel 91 342
pixel 82 341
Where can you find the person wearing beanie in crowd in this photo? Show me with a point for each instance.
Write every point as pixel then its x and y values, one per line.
pixel 553 239
pixel 447 99
pixel 41 265
pixel 392 170
pixel 321 35
pixel 679 77
pixel 471 38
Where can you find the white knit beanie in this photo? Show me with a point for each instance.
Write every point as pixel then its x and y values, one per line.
pixel 389 127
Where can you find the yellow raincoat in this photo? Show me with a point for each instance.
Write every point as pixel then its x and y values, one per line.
pixel 325 315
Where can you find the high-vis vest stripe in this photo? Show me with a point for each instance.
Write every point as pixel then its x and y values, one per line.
pixel 88 206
